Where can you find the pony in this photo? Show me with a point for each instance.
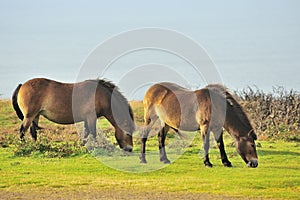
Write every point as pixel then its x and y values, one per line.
pixel 69 103
pixel 210 109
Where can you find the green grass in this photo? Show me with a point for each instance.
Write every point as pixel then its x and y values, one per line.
pixel 277 176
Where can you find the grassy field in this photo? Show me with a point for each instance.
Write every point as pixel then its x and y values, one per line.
pixel 79 175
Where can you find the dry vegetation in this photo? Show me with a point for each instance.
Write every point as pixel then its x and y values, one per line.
pixel 274 115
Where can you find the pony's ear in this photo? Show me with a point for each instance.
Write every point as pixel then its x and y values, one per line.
pixel 252 134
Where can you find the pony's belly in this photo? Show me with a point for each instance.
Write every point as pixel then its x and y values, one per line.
pixel 184 124
pixel 61 121
pixel 189 127
pixel 59 118
pixel 183 119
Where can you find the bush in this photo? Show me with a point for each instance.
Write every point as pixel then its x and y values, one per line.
pixel 274 115
pixel 47 148
pixel 103 147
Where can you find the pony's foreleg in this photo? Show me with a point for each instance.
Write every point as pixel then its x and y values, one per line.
pixel 89 127
pixel 205 140
pixel 219 139
pixel 161 140
pixel 86 133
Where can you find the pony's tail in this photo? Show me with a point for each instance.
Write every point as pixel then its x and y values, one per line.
pixel 15 102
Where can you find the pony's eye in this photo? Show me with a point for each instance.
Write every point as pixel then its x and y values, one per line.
pixel 252 145
pixel 128 133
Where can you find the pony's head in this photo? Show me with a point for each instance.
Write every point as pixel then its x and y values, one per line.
pixel 124 139
pixel 245 146
pixel 119 114
pixel 125 130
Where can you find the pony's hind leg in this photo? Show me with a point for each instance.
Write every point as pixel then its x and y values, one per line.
pixel 36 123
pixel 205 139
pixel 149 122
pixel 178 132
pixel 218 134
pixel 144 137
pixel 25 126
pixel 22 131
pixel 33 132
pixel 34 127
pixel 161 140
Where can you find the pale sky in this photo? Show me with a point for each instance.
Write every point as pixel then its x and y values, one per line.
pixel 251 42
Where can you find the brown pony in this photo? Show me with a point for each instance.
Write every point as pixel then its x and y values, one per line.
pixel 66 103
pixel 208 110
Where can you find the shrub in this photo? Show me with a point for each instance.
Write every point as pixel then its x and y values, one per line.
pixel 47 148
pixel 274 115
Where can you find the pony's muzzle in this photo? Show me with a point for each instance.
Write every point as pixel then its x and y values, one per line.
pixel 252 163
pixel 128 148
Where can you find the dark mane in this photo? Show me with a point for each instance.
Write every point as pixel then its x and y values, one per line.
pixel 231 101
pixel 108 84
pixel 114 90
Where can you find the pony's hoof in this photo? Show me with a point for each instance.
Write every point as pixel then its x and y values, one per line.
pixel 227 164
pixel 208 165
pixel 165 161
pixel 143 161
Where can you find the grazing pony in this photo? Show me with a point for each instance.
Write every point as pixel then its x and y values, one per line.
pixel 209 110
pixel 66 103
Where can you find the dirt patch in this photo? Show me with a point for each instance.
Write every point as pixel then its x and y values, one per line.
pixel 109 194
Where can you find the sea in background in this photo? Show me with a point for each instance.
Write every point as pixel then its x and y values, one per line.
pixel 252 43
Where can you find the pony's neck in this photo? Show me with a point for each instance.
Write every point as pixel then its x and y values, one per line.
pixel 233 131
pixel 236 127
